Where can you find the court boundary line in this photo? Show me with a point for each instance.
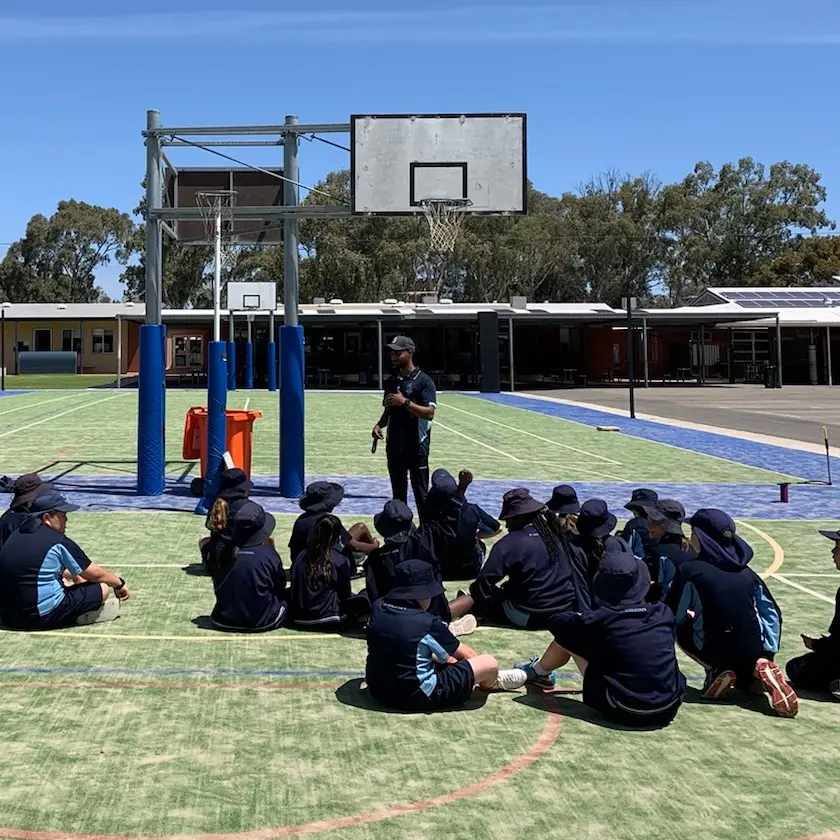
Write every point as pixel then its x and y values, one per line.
pixel 43 402
pixel 477 442
pixel 778 551
pixel 538 437
pixel 60 414
pixel 805 589
pixel 519 395
pixel 545 741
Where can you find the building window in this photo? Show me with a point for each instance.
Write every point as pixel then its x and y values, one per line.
pixel 189 351
pixel 71 341
pixel 42 340
pixel 103 341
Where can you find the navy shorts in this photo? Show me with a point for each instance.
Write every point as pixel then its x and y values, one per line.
pixel 454 687
pixel 78 600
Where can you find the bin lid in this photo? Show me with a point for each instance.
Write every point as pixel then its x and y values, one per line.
pixel 240 414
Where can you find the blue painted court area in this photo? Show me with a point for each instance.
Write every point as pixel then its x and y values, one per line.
pixel 365 496
pixel 15 393
pixel 806 465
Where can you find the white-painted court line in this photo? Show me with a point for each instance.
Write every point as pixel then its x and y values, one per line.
pixel 531 434
pixel 56 416
pixel 43 402
pixel 813 575
pixel 247 403
pixel 477 442
pixel 804 589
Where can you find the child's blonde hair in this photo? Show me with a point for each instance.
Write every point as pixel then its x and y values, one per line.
pixel 217 519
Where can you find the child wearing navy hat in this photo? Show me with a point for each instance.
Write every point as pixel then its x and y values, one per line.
pixel 249 580
pixel 533 559
pixel 819 669
pixel 726 616
pixel 623 646
pixel 636 532
pixel 321 498
pixel 234 488
pixel 25 490
pixel 565 506
pixel 594 525
pixel 414 663
pixel 669 546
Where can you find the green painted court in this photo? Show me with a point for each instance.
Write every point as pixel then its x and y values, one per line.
pixel 157 726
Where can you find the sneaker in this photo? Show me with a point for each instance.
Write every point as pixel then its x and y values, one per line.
pixel 834 689
pixel 783 699
pixel 107 612
pixel 718 685
pixel 543 681
pixel 510 680
pixel 463 626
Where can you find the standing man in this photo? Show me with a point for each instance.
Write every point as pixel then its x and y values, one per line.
pixel 410 401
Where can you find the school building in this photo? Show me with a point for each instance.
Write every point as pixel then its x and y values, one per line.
pixel 725 335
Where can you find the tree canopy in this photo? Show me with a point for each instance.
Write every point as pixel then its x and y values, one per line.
pixel 740 224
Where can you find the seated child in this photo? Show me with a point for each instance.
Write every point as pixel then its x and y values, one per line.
pixel 593 526
pixel 535 563
pixel 414 663
pixel 819 670
pixel 635 531
pixel 565 506
pixel 320 594
pixel 727 619
pixel 234 486
pixel 668 546
pixel 623 647
pixel 248 578
pixel 323 497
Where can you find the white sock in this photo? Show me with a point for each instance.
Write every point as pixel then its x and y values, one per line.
pixel 540 671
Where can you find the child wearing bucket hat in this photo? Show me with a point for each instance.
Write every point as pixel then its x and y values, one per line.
pixel 623 646
pixel 234 487
pixel 321 498
pixel 414 663
pixel 249 580
pixel 635 531
pixel 819 669
pixel 727 618
pixel 668 548
pixel 533 559
pixel 25 490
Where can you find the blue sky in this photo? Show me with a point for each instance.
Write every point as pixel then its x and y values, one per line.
pixel 627 85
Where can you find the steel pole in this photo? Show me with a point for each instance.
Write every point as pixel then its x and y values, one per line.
pixel 779 351
pixel 510 353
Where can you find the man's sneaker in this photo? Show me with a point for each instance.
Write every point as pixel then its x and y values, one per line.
pixel 543 681
pixel 463 626
pixel 834 689
pixel 718 685
pixel 107 612
pixel 783 699
pixel 510 680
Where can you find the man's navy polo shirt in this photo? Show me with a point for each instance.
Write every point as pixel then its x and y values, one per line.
pixel 631 648
pixel 10 521
pixel 403 641
pixel 407 434
pixel 32 563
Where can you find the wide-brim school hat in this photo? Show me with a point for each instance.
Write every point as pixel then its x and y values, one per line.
pixel 251 525
pixel 395 518
pixel 234 484
pixel 831 535
pixel 519 502
pixel 595 519
pixel 415 580
pixel 669 514
pixel 564 500
pixel 715 531
pixel 321 497
pixel 621 580
pixel 641 497
pixel 26 489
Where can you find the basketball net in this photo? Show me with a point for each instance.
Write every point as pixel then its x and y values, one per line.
pixel 445 218
pixel 217 209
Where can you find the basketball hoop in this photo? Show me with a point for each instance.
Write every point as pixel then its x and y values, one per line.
pixel 446 218
pixel 217 209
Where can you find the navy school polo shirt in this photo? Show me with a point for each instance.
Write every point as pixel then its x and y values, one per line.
pixel 829 646
pixel 251 594
pixel 535 584
pixel 402 642
pixel 302 529
pixel 381 565
pixel 631 648
pixel 10 521
pixel 321 599
pixel 407 434
pixel 32 563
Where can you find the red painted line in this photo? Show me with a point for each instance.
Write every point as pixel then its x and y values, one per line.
pixel 540 747
pixel 146 684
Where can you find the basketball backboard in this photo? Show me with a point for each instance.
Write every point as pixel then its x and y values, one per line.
pixel 253 189
pixel 249 296
pixel 399 161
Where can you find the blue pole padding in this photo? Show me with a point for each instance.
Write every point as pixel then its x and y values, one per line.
pixel 272 366
pixel 151 412
pixel 249 365
pixel 216 422
pixel 231 365
pixel 291 412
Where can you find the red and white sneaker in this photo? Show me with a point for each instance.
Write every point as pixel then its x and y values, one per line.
pixel 719 686
pixel 783 699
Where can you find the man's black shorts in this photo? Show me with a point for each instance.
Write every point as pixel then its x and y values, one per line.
pixel 78 600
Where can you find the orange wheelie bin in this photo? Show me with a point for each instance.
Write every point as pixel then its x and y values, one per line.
pixel 239 440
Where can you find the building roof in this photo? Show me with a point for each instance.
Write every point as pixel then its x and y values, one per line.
pixel 73 311
pixel 796 306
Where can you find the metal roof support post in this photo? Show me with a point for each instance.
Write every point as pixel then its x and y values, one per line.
pixel 645 351
pixel 778 351
pixel 828 355
pixel 510 352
